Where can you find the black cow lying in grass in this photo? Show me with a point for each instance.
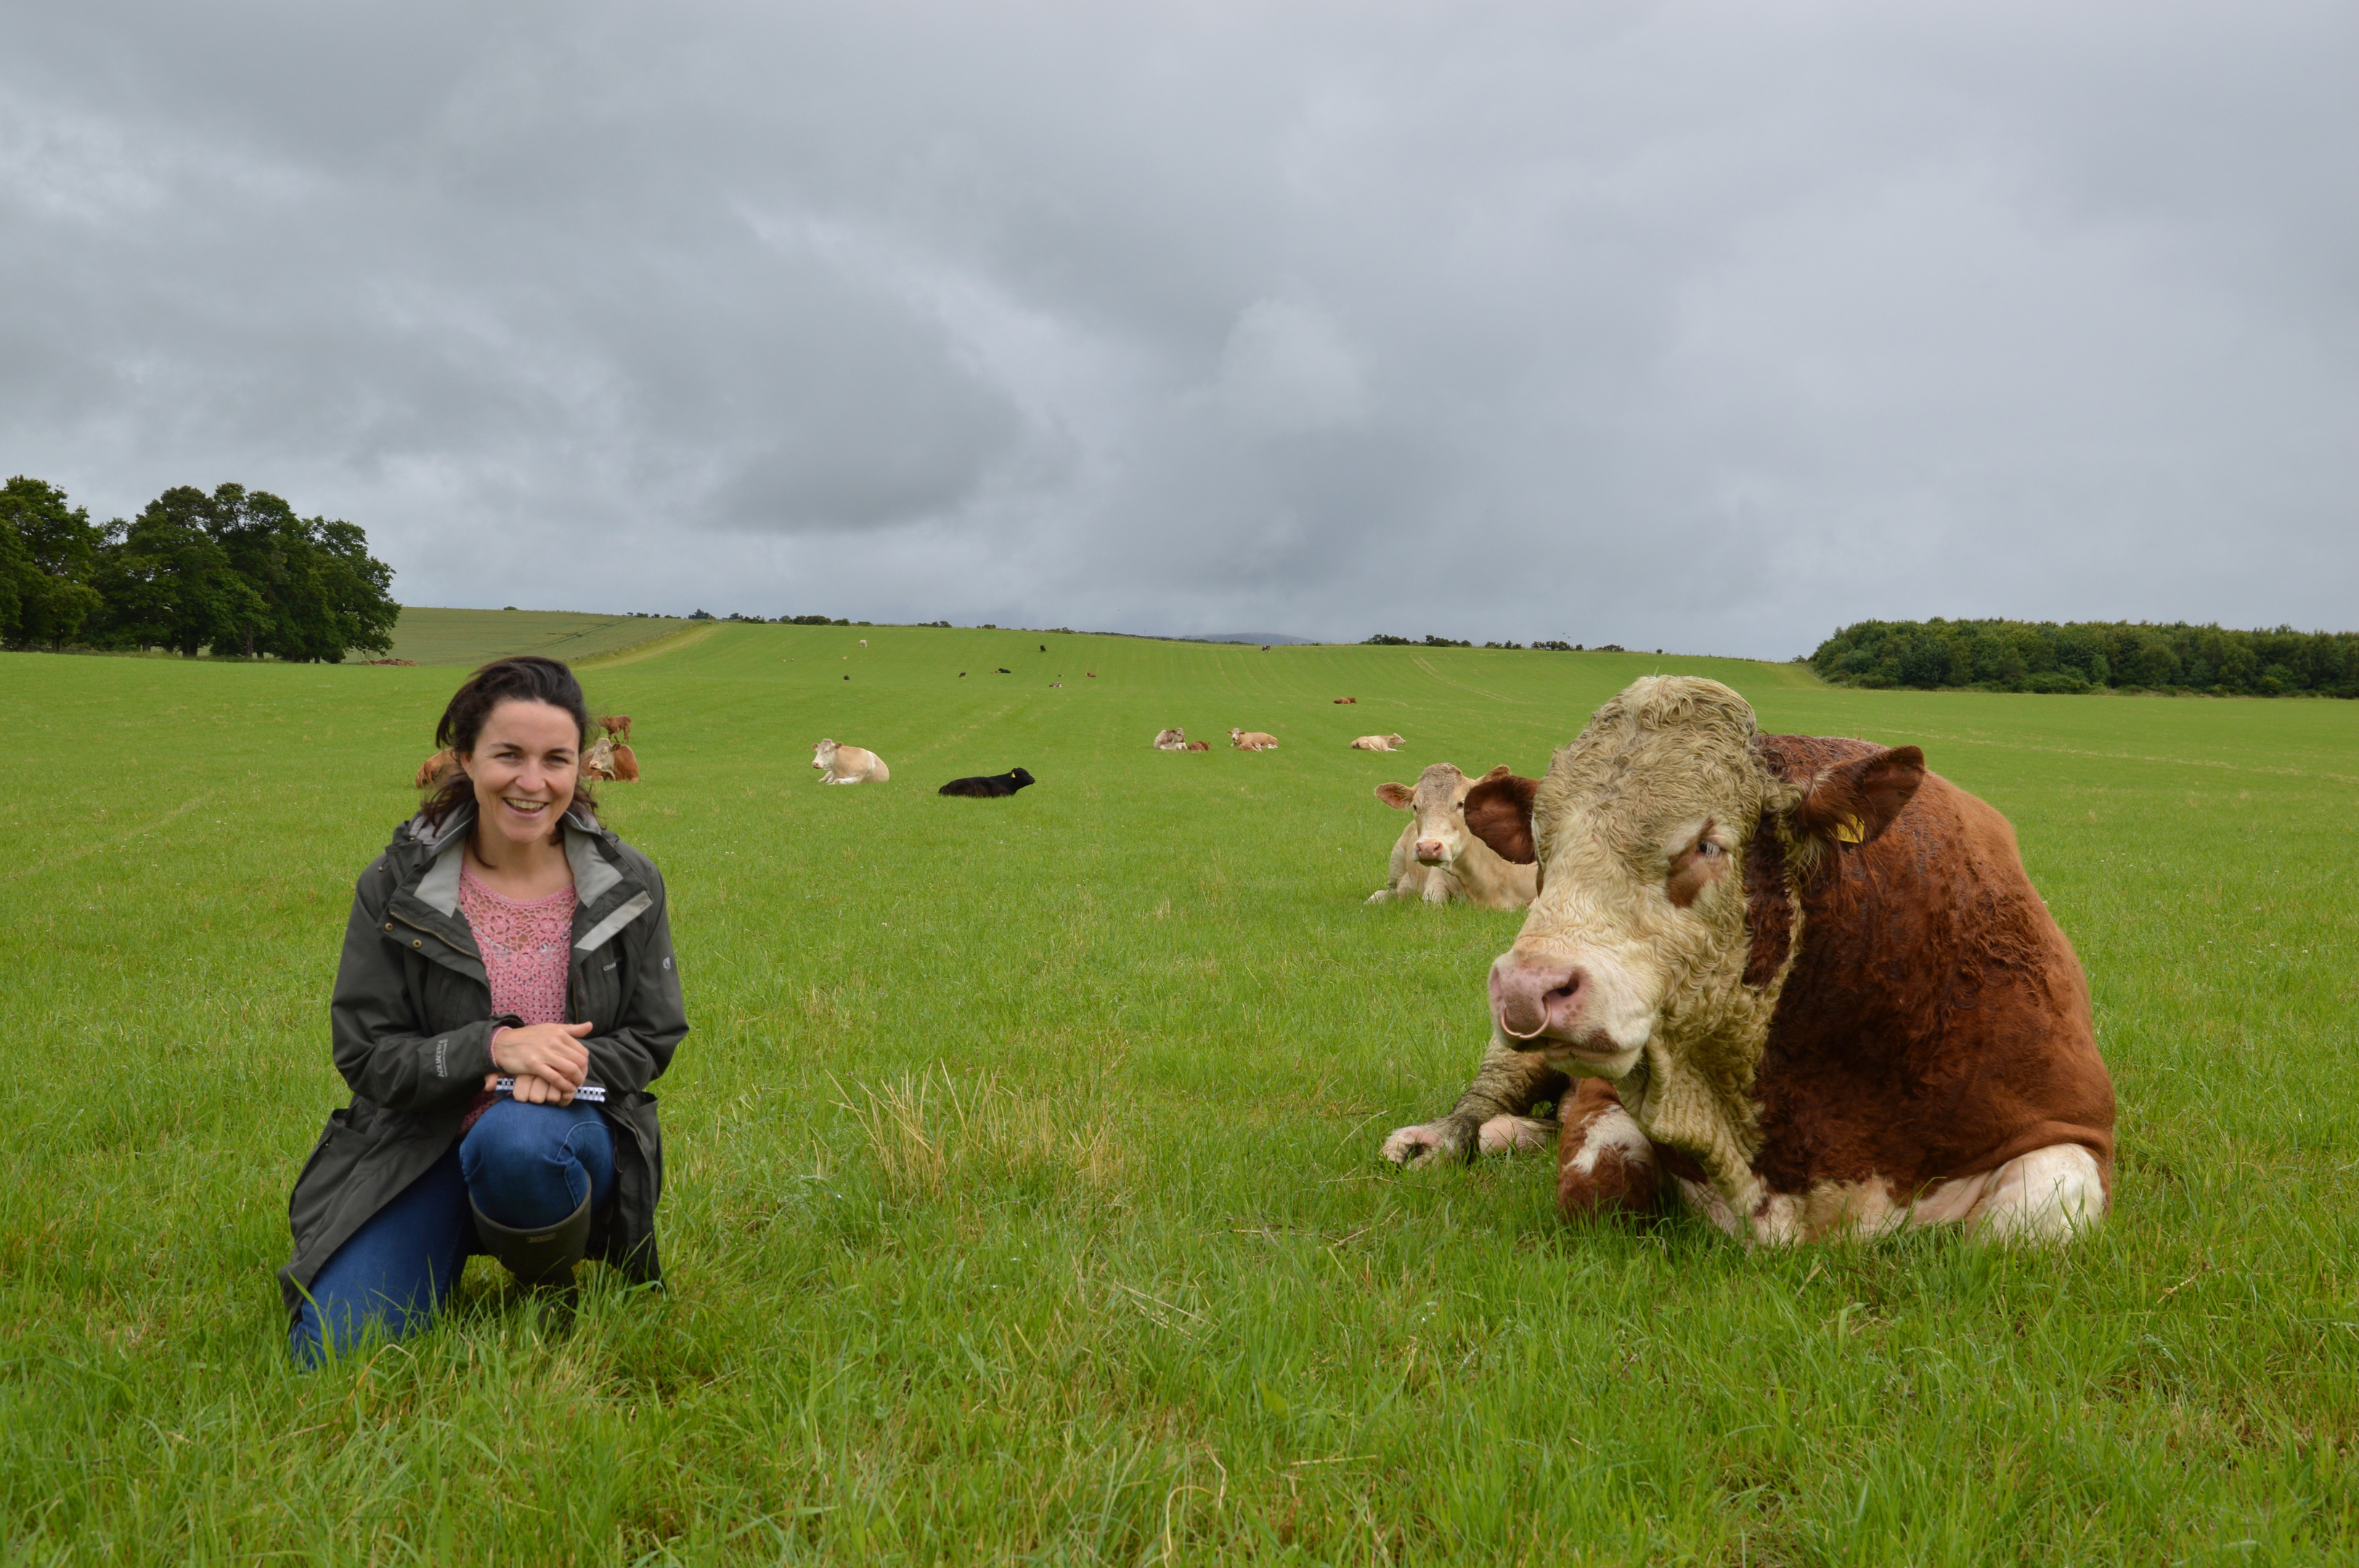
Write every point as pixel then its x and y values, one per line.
pixel 992 784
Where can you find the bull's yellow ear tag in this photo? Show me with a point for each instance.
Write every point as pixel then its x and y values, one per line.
pixel 1850 830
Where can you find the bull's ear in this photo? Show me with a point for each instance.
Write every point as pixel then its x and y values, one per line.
pixel 1397 796
pixel 1854 802
pixel 1499 813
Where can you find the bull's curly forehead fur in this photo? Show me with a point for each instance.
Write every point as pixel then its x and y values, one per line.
pixel 1667 750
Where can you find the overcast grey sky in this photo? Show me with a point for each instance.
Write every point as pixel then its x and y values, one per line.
pixel 1707 327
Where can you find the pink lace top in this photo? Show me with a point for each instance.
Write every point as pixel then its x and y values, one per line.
pixel 525 944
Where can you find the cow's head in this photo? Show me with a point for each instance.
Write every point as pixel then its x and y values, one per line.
pixel 823 756
pixel 1441 824
pixel 1641 831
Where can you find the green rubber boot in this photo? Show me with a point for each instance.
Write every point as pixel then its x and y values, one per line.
pixel 540 1260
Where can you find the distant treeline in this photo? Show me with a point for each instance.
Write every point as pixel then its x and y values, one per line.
pixel 1385 640
pixel 236 572
pixel 2090 655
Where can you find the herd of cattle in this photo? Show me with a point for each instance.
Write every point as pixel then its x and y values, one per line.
pixel 1801 986
pixel 1798 985
pixel 1257 740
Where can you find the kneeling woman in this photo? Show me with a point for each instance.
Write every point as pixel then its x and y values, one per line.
pixel 504 935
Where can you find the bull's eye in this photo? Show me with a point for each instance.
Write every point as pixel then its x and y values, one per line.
pixel 1693 870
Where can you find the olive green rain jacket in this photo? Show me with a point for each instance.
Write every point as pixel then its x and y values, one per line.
pixel 412 1022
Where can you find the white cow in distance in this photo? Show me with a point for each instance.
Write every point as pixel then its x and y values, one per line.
pixel 1437 859
pixel 1378 743
pixel 1252 741
pixel 1171 740
pixel 848 765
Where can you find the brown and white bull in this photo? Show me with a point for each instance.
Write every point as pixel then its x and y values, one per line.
pixel 610 760
pixel 1436 859
pixel 1802 985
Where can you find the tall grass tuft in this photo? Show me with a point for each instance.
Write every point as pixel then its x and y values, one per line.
pixel 933 1138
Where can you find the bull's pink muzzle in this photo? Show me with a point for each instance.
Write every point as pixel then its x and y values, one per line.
pixel 1532 995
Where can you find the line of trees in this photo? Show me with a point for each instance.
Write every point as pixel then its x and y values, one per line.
pixel 2090 655
pixel 236 572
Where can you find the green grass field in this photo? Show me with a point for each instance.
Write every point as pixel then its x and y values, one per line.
pixel 471 637
pixel 1023 1201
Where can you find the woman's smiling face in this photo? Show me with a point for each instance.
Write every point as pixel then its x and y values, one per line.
pixel 523 767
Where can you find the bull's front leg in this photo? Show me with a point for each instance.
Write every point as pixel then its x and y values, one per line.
pixel 1604 1163
pixel 1490 1117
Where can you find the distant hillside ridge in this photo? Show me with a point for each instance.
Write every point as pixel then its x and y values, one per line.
pixel 2089 656
pixel 429 635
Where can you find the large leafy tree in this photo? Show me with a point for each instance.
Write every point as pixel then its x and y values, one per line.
pixel 356 607
pixel 48 550
pixel 324 594
pixel 167 583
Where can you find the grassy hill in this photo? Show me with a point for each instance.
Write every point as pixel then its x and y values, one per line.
pixel 1022 1199
pixel 471 637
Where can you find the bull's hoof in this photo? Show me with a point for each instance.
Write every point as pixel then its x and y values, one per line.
pixel 1421 1145
pixel 1508 1134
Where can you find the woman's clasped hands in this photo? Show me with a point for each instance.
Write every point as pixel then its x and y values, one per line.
pixel 548 1061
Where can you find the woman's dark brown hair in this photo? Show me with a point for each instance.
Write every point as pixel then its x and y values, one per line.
pixel 525 679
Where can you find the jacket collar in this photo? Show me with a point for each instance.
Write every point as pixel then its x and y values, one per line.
pixel 596 875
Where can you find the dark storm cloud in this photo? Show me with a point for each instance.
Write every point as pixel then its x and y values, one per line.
pixel 1704 327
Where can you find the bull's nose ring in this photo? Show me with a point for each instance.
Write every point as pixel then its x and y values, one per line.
pixel 1533 1035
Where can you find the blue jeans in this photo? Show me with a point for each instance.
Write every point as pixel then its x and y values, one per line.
pixel 524 1165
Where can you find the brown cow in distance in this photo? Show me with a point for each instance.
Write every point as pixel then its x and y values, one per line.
pixel 1197 746
pixel 610 760
pixel 1252 741
pixel 1345 701
pixel 431 771
pixel 1802 985
pixel 619 725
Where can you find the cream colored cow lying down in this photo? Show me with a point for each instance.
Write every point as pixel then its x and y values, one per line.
pixel 1437 859
pixel 848 765
pixel 1378 743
